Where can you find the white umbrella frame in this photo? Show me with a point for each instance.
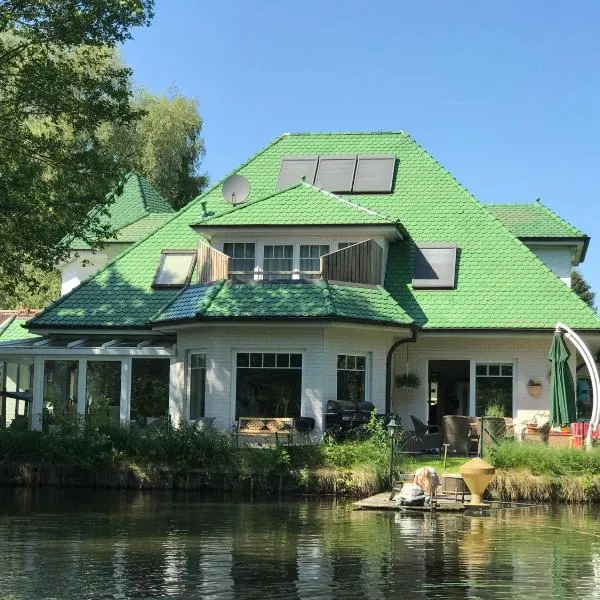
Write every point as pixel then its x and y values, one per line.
pixel 592 370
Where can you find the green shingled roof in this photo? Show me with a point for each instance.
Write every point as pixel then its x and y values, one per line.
pixel 300 204
pixel 13 330
pixel 500 283
pixel 305 300
pixel 533 221
pixel 142 228
pixel 138 200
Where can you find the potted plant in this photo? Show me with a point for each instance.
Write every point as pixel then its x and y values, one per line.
pixel 408 381
pixel 534 387
pixel 536 422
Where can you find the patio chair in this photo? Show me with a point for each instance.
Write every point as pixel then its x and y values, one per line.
pixel 427 437
pixel 456 431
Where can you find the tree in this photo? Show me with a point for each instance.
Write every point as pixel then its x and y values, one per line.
pixel 58 86
pixel 582 288
pixel 164 145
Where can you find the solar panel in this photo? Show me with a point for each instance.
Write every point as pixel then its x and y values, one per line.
pixel 294 168
pixel 374 174
pixel 435 266
pixel 336 173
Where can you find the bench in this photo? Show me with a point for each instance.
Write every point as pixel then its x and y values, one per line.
pixel 269 427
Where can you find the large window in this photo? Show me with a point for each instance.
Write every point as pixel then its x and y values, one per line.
pixel 197 389
pixel 310 259
pixel 16 376
pixel 242 256
pixel 103 392
pixel 351 377
pixel 150 390
pixel 493 387
pixel 278 261
pixel 268 384
pixel 60 391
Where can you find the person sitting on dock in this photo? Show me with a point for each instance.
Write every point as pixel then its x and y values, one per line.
pixel 429 481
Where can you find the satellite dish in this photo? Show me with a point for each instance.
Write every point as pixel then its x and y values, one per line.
pixel 236 189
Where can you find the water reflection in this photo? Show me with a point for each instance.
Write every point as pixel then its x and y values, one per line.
pixel 65 544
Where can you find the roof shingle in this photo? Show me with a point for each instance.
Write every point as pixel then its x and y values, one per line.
pixel 500 283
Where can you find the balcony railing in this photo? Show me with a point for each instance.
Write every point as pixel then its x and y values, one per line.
pixel 360 263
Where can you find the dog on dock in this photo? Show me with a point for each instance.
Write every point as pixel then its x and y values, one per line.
pixel 428 480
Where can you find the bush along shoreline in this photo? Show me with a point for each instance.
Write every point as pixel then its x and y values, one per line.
pixel 184 458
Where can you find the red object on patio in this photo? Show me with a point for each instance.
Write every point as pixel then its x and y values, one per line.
pixel 580 431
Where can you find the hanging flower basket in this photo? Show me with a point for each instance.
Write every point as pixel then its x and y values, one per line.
pixel 534 388
pixel 408 381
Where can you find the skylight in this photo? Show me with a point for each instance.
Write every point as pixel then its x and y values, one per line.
pixel 435 266
pixel 175 268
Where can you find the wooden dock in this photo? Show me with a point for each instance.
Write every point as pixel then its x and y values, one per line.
pixel 383 502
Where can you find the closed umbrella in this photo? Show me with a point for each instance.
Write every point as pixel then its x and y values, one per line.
pixel 562 389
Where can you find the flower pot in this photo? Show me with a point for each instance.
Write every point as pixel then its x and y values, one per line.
pixel 534 390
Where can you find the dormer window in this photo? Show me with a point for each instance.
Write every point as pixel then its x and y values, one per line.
pixel 310 260
pixel 174 269
pixel 278 261
pixel 242 257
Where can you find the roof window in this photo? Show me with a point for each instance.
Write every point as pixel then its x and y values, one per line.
pixel 435 266
pixel 174 269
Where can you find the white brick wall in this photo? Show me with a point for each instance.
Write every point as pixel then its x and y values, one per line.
pixel 318 345
pixel 528 353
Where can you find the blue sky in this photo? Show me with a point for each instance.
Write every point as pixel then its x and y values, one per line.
pixel 505 95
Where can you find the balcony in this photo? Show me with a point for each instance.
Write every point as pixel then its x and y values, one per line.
pixel 360 263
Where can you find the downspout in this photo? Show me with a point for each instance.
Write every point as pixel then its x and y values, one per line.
pixel 388 367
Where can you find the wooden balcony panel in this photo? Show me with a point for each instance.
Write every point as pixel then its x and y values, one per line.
pixel 360 263
pixel 212 264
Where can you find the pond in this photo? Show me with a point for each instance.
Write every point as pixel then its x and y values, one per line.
pixel 86 544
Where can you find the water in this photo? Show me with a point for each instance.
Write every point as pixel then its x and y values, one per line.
pixel 84 544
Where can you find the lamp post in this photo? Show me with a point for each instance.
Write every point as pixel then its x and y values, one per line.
pixel 392 428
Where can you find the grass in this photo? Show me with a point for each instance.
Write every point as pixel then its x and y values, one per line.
pixel 453 463
pixel 539 473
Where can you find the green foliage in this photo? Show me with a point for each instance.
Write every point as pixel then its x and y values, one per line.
pixel 57 87
pixel 583 289
pixel 44 288
pixel 164 145
pixel 540 459
pixel 408 381
pixel 494 409
pixel 353 467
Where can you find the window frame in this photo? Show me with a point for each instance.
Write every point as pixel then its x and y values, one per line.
pixel 163 254
pixel 500 363
pixel 264 350
pixel 320 247
pixel 367 371
pixel 188 363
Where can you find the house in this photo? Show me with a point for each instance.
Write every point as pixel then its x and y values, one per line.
pixel 136 211
pixel 324 267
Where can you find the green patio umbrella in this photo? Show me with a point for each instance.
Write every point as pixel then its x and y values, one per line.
pixel 562 389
